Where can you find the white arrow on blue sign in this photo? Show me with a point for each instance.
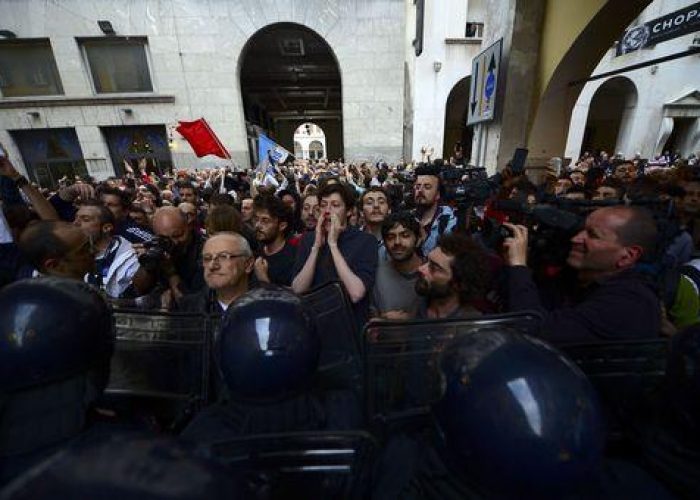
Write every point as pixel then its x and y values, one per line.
pixel 484 84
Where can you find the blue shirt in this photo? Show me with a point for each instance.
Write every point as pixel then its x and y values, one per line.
pixel 443 222
pixel 360 252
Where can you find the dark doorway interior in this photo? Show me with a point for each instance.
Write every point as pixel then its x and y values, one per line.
pixel 606 112
pixel 456 130
pixel 680 140
pixel 146 144
pixel 50 155
pixel 289 75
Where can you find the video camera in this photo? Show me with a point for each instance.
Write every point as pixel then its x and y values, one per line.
pixel 157 248
pixel 464 187
pixel 550 230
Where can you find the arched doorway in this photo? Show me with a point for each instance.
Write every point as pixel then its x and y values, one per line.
pixel 311 141
pixel 456 130
pixel 289 75
pixel 610 116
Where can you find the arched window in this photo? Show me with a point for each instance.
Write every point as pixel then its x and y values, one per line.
pixel 312 140
pixel 315 150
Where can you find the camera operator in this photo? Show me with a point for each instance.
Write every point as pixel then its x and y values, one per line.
pixel 435 219
pixel 616 302
pixel 175 253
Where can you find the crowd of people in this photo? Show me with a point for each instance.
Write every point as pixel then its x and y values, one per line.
pixel 431 240
pixel 199 239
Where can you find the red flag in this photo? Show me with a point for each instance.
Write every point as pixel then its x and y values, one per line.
pixel 202 139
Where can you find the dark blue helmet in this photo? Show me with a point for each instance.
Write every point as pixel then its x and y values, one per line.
pixel 683 380
pixel 267 345
pixel 517 417
pixel 51 329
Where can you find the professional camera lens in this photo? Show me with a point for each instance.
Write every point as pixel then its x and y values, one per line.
pixel 156 250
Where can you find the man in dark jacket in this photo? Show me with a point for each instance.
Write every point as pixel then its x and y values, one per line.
pixel 618 303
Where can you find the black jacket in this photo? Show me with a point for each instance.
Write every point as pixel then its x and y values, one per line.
pixel 620 307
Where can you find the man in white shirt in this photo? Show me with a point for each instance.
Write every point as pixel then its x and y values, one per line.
pixel 117 269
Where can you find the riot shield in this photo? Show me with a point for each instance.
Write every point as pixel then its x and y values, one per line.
pixel 161 365
pixel 322 465
pixel 402 375
pixel 340 365
pixel 625 374
pixel 116 464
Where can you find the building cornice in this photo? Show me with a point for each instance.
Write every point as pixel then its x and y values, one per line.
pixel 62 101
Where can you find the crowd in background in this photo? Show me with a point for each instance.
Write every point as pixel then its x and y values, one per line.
pixel 147 211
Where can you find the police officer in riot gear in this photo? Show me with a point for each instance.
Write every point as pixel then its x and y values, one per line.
pixel 667 427
pixel 267 350
pixel 516 419
pixel 125 465
pixel 56 339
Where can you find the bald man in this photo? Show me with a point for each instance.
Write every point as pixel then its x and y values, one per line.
pixel 227 261
pixel 183 268
pixel 615 301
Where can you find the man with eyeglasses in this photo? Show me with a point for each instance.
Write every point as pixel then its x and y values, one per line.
pixel 227 261
pixel 58 248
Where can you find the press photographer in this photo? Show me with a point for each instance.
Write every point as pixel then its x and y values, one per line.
pixel 613 300
pixel 174 255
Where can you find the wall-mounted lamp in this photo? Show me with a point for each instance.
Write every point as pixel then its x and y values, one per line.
pixel 654 69
pixel 106 27
pixel 128 111
pixel 34 115
pixel 437 66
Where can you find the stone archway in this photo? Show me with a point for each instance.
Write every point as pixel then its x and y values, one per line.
pixel 610 116
pixel 565 64
pixel 290 75
pixel 456 129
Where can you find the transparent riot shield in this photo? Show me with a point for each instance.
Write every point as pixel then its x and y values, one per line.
pixel 402 375
pixel 330 465
pixel 161 365
pixel 625 374
pixel 340 364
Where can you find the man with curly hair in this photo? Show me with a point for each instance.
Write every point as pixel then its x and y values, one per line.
pixel 453 278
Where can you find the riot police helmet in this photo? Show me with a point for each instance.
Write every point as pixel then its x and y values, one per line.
pixel 267 345
pixel 52 329
pixel 517 416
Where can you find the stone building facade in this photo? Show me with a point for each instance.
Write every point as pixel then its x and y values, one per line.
pixel 182 60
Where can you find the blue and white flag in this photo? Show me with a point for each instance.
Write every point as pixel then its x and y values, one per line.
pixel 269 153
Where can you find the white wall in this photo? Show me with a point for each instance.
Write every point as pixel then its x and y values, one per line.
pixel 443 19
